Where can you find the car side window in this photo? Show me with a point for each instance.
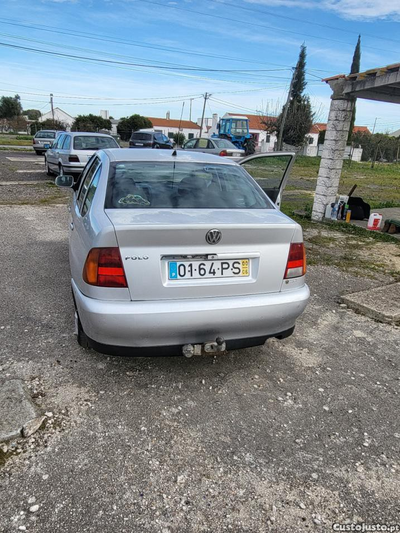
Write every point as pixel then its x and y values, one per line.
pixel 91 191
pixel 86 182
pixel 190 144
pixel 67 142
pixel 59 142
pixel 165 139
pixel 203 143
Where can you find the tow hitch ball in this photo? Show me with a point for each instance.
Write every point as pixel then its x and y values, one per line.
pixel 214 347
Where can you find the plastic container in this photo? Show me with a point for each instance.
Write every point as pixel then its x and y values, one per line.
pixel 334 212
pixel 374 221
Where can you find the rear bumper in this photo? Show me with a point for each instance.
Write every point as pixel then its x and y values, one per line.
pixel 141 324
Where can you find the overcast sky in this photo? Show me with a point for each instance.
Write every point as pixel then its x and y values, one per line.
pixel 241 53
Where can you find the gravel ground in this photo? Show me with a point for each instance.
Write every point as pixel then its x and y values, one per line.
pixel 23 180
pixel 290 437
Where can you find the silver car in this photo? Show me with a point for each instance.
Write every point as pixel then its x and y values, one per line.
pixel 71 151
pixel 43 140
pixel 221 147
pixel 183 253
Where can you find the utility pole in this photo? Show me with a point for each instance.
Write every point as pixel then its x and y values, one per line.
pixel 206 96
pixel 52 108
pixel 373 129
pixel 190 112
pixel 285 110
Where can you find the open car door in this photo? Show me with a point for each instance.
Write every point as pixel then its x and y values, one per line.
pixel 271 171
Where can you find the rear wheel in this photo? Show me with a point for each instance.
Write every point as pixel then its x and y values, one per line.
pixel 48 171
pixel 157 146
pixel 250 146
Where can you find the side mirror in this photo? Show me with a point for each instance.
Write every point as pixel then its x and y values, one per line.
pixel 65 181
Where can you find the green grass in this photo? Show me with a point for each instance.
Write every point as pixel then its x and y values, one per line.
pixel 379 186
pixel 15 142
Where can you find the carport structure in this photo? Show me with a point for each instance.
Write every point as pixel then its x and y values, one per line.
pixel 381 84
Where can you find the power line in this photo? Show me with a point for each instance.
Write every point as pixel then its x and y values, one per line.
pixel 159 64
pixel 297 20
pixel 125 65
pixel 95 37
pixel 258 25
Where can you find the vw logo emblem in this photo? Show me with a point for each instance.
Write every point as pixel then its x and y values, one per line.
pixel 213 236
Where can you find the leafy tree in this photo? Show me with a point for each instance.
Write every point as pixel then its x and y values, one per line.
pixel 179 138
pixel 91 123
pixel 47 124
pixel 17 123
pixel 355 67
pixel 33 114
pixel 10 106
pixel 382 146
pixel 300 116
pixel 133 123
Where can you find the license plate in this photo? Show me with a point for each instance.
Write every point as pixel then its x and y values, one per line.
pixel 138 144
pixel 232 268
pixel 47 145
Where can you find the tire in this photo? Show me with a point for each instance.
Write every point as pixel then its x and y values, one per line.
pixel 48 171
pixel 250 146
pixel 156 146
pixel 38 153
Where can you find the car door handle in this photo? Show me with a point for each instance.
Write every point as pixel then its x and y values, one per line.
pixel 71 225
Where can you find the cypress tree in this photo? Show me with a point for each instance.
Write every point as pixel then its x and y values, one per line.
pixel 355 67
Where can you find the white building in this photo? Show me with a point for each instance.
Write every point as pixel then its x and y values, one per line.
pixel 169 127
pixel 59 115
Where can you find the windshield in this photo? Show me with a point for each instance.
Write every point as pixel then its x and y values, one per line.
pixel 147 185
pixel 94 142
pixel 239 127
pixel 46 135
pixel 141 137
pixel 223 143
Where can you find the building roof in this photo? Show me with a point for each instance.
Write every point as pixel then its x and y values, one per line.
pixel 321 126
pixel 60 110
pixel 172 123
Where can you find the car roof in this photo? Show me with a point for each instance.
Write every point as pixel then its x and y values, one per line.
pixel 88 133
pixel 147 154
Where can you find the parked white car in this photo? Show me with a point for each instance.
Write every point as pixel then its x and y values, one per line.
pixel 72 150
pixel 221 147
pixel 183 253
pixel 43 140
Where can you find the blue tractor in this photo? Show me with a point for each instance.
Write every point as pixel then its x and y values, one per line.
pixel 236 130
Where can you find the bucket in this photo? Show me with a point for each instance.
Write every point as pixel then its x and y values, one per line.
pixel 374 221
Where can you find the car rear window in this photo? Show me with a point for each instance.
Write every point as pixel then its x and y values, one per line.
pixel 94 142
pixel 148 185
pixel 141 137
pixel 45 135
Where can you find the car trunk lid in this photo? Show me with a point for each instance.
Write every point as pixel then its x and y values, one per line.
pixel 150 240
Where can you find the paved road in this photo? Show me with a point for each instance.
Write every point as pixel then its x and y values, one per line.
pixel 289 437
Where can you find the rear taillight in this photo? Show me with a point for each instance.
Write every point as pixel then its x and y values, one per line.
pixel 223 153
pixel 296 264
pixel 104 268
pixel 73 159
pixel 33 141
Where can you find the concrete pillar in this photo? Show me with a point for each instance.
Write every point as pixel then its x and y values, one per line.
pixel 334 147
